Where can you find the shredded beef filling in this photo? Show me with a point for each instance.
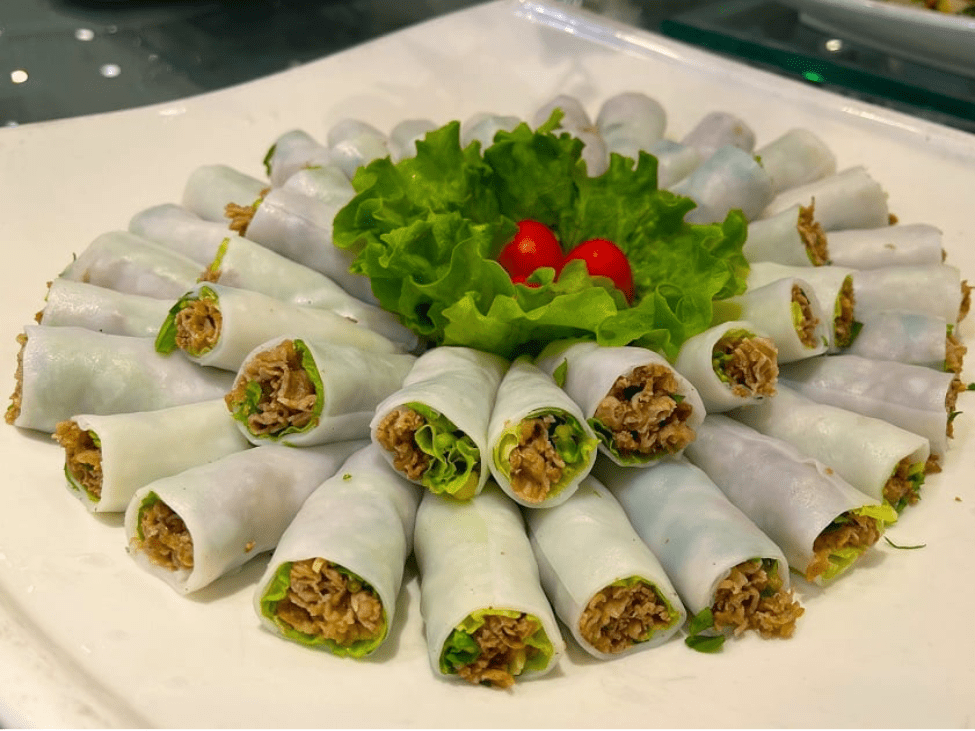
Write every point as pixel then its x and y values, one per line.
pixel 16 398
pixel 503 644
pixel 900 487
pixel 288 396
pixel 166 542
pixel 753 368
pixel 240 217
pixel 198 326
pixel 325 602
pixel 933 465
pixel 82 457
pixel 806 330
pixel 812 235
pixel 397 434
pixel 750 598
pixel 843 322
pixel 955 352
pixel 644 417
pixel 535 464
pixel 858 531
pixel 619 616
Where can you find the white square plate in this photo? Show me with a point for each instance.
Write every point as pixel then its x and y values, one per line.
pixel 89 639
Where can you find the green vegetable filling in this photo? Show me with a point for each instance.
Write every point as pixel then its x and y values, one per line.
pixel 453 459
pixel 904 486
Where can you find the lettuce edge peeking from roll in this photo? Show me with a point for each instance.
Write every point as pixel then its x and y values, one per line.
pixel 277 590
pixel 661 619
pixel 212 272
pixel 904 486
pixel 170 337
pixel 862 526
pixel 461 649
pixel 245 402
pixel 568 441
pixel 436 454
pixel 845 325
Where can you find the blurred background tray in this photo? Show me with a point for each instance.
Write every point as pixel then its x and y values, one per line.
pixel 66 58
pixel 776 36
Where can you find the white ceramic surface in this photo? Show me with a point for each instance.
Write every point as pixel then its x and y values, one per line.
pixel 933 38
pixel 89 639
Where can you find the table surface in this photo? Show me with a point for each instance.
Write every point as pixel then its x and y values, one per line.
pixel 65 58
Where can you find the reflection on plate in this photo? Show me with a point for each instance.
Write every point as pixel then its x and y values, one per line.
pixel 935 39
pixel 89 639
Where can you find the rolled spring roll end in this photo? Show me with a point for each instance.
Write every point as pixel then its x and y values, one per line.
pixel 844 540
pixel 412 432
pixel 275 393
pixel 623 614
pixel 753 596
pixel 82 458
pixel 161 538
pixel 318 602
pixel 493 647
pixel 644 416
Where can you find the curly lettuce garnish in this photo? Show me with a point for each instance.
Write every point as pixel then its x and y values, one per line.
pixel 454 464
pixel 427 231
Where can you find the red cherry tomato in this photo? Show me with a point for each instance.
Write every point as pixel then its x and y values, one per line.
pixel 522 279
pixel 606 259
pixel 532 247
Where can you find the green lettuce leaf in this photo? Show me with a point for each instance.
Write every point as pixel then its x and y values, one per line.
pixel 842 559
pixel 277 590
pixel 915 475
pixel 150 499
pixel 427 230
pixel 455 460
pixel 700 633
pixel 166 337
